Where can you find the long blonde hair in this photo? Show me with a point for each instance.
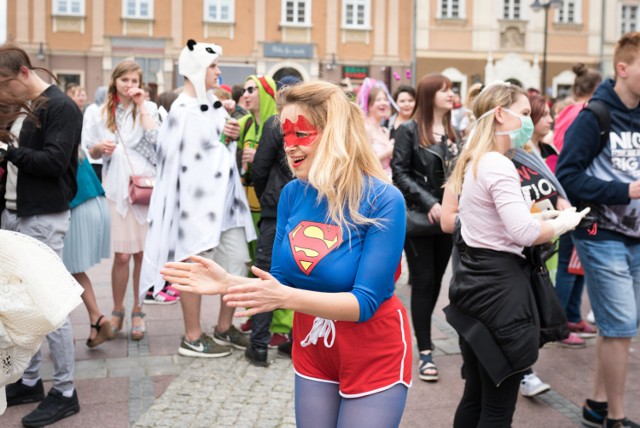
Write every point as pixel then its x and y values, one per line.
pixel 109 107
pixel 344 160
pixel 482 139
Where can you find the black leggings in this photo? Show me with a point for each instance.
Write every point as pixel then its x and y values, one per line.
pixel 484 405
pixel 427 258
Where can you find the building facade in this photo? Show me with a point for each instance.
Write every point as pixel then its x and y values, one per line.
pixel 482 41
pixel 82 40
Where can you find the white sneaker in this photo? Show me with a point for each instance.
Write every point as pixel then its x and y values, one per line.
pixel 531 385
pixel 591 319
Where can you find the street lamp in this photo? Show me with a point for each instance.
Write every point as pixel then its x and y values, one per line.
pixel 537 6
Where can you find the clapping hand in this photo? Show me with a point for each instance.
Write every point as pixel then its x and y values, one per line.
pixel 203 276
pixel 259 296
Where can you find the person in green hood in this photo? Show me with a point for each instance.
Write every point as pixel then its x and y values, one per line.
pixel 260 98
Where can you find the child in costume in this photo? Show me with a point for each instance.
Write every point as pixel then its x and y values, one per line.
pixel 339 238
pixel 198 204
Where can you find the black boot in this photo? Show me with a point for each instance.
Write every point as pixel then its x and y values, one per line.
pixel 19 393
pixel 54 407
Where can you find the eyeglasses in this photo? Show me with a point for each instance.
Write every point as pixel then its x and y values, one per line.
pixel 250 89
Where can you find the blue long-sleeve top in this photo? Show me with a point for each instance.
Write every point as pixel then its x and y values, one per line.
pixel 602 177
pixel 310 252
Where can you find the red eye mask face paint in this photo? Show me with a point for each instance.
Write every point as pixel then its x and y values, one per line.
pixel 301 133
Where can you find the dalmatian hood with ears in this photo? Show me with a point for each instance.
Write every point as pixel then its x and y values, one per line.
pixel 193 63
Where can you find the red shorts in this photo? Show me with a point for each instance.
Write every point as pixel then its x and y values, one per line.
pixel 364 358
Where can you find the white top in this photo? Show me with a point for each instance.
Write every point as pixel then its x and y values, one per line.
pixel 493 211
pixel 93 109
pixel 11 189
pixel 117 171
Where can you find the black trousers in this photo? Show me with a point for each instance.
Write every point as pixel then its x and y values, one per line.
pixel 427 258
pixel 260 323
pixel 484 405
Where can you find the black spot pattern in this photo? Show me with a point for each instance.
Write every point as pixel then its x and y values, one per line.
pixel 206 145
pixel 184 168
pixel 198 156
pixel 181 146
pixel 198 194
pixel 184 215
pixel 171 255
pixel 180 233
pixel 172 122
pixel 218 175
pixel 212 216
pixel 231 173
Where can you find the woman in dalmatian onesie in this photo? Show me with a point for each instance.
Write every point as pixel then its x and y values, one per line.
pixel 198 204
pixel 339 238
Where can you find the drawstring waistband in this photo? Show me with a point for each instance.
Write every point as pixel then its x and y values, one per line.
pixel 321 328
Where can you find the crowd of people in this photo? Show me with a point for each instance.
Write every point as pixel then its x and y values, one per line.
pixel 284 197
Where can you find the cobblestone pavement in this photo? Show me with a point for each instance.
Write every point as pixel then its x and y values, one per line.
pixel 226 392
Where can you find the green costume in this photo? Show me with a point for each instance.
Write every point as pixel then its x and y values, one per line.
pixel 250 133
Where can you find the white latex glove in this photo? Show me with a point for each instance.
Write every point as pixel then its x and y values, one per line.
pixel 567 220
pixel 546 215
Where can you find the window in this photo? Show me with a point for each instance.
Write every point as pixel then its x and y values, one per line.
pixel 142 9
pixel 453 9
pixel 570 12
pixel 512 9
pixel 219 10
pixel 68 7
pixel 356 13
pixel 296 12
pixel 629 18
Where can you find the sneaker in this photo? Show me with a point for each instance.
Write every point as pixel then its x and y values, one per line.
pixel 54 407
pixel 621 423
pixel 161 298
pixel 203 347
pixel 170 291
pixel 582 329
pixel 245 327
pixel 591 318
pixel 573 341
pixel 531 385
pixel 592 417
pixel 19 393
pixel 257 356
pixel 232 337
pixel 284 349
pixel 278 339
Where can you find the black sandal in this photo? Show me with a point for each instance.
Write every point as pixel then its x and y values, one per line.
pixel 104 333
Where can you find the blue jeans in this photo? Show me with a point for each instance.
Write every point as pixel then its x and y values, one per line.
pixel 569 287
pixel 612 272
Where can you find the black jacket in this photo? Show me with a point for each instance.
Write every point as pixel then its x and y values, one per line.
pixel 47 156
pixel 418 172
pixel 269 170
pixel 493 308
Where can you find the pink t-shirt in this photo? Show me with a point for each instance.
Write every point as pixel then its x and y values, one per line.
pixel 493 211
pixel 563 121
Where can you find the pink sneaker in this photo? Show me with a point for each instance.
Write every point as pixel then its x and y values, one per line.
pixel 582 329
pixel 161 298
pixel 278 339
pixel 573 341
pixel 169 290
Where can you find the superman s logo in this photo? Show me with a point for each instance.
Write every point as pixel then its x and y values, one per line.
pixel 311 242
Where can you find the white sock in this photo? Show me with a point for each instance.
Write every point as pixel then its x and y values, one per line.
pixel 30 382
pixel 69 393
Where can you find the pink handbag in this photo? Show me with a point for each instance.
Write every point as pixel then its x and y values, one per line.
pixel 140 189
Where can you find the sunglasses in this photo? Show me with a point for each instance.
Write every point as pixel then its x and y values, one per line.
pixel 250 89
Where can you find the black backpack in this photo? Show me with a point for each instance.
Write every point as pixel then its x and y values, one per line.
pixel 599 109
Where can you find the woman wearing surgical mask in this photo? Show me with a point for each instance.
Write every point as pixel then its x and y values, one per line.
pixel 491 304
